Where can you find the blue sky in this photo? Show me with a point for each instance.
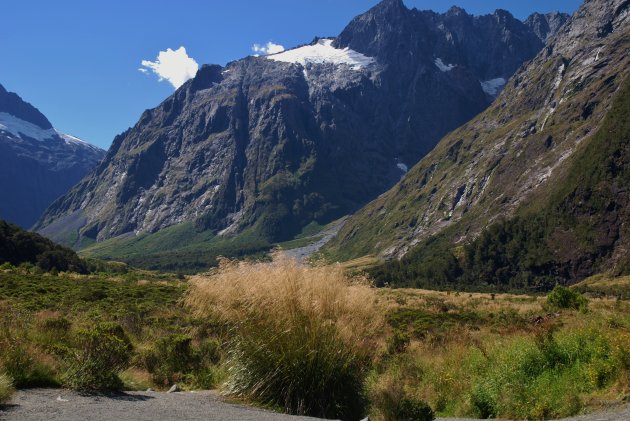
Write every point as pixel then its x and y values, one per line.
pixel 78 60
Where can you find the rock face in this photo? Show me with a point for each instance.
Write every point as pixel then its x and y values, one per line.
pixel 37 163
pixel 545 26
pixel 515 155
pixel 309 134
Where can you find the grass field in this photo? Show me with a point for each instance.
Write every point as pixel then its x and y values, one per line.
pixel 462 354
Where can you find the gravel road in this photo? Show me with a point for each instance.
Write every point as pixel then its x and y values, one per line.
pixel 64 405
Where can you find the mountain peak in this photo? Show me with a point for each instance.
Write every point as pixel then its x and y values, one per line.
pixel 11 103
pixel 206 77
pixel 545 25
pixel 456 11
pixel 390 4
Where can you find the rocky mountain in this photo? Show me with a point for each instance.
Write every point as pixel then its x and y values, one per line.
pixel 37 163
pixel 270 144
pixel 547 25
pixel 536 184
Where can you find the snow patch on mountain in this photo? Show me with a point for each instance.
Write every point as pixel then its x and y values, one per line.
pixel 18 128
pixel 73 140
pixel 493 86
pixel 323 52
pixel 402 167
pixel 443 67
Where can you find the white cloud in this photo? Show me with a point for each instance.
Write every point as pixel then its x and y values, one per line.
pixel 269 48
pixel 173 66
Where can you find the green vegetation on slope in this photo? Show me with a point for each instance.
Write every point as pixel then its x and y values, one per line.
pixel 18 246
pixel 179 248
pixel 569 234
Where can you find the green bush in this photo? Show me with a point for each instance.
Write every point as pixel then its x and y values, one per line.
pixel 101 353
pixel 6 388
pixel 169 359
pixel 544 378
pixel 175 359
pixel 398 342
pixel 566 298
pixel 20 365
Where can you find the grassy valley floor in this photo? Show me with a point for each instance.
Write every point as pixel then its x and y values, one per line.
pixel 464 354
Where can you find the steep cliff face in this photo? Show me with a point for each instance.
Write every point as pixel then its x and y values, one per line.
pixel 547 25
pixel 309 134
pixel 37 163
pixel 514 155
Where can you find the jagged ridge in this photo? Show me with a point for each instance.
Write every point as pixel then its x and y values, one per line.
pixel 508 158
pixel 273 146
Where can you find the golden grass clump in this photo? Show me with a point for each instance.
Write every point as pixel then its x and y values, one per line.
pixel 6 388
pixel 300 337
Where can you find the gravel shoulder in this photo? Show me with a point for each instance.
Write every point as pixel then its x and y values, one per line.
pixel 65 405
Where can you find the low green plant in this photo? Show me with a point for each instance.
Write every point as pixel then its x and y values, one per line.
pixel 545 377
pixel 390 392
pixel 26 371
pixel 398 342
pixel 566 298
pixel 101 353
pixel 169 359
pixel 175 359
pixel 6 388
pixel 19 359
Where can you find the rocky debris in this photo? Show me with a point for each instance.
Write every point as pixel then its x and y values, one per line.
pixel 174 388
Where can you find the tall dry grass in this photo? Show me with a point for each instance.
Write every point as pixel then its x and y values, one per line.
pixel 6 388
pixel 300 337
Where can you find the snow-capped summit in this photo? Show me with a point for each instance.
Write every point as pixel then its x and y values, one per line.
pixel 323 52
pixel 37 162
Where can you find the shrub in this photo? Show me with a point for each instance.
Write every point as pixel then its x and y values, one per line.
pixel 170 358
pixel 6 388
pixel 101 353
pixel 26 371
pixel 299 336
pixel 391 392
pixel 544 378
pixel 398 342
pixel 174 359
pixel 566 298
pixel 19 360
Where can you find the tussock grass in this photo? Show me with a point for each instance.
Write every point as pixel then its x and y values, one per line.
pixel 300 337
pixel 6 388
